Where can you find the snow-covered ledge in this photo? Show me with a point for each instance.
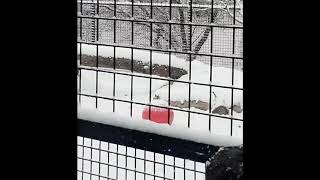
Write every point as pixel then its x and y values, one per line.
pixel 116 120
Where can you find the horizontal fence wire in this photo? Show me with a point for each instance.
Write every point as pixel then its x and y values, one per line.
pixel 133 54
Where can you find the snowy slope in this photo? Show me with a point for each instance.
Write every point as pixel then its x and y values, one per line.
pixel 122 85
pixel 220 76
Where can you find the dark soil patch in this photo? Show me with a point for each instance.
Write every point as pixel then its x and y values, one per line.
pixel 226 164
pixel 138 66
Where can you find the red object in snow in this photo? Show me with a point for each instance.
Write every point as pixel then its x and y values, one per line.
pixel 158 115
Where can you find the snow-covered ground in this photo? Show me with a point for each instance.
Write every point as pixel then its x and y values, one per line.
pixel 195 135
pixel 200 73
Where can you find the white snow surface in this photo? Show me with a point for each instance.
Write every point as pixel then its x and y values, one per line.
pixel 117 120
pixel 220 76
pixel 122 85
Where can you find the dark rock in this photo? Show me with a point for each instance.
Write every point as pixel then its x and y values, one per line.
pixel 196 104
pixel 221 110
pixel 226 164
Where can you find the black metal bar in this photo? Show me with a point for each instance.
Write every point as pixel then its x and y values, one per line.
pixel 132 42
pixel 97 30
pixel 151 9
pixel 232 69
pixel 115 8
pixel 169 70
pixel 108 165
pixel 114 78
pixel 154 164
pixel 170 10
pixel 81 5
pixel 108 174
pixel 91 156
pixel 117 162
pixel 210 78
pixel 169 88
pixel 126 163
pixel 150 79
pixel 80 72
pixel 80 28
pixel 114 53
pixel 150 69
pixel 190 20
pixel 80 54
pixel 144 161
pixel 184 169
pixel 190 61
pixel 164 166
pixel 97 54
pixel 132 9
pixel 97 75
pixel 189 97
pixel 98 8
pixel 99 150
pixel 194 167
pixel 82 168
pixel 131 92
pixel 135 162
pixel 174 169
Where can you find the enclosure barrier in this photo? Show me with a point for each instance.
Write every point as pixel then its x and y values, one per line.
pixel 130 40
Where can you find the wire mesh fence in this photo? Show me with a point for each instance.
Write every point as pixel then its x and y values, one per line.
pixel 179 56
pixel 179 28
pixel 103 160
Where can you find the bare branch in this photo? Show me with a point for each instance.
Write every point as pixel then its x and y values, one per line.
pixel 226 8
pixel 197 37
